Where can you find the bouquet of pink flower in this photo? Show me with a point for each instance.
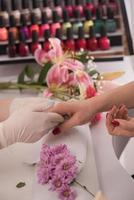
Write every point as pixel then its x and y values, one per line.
pixel 67 77
pixel 58 168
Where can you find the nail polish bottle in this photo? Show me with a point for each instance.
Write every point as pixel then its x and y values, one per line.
pixel 4 11
pixel 25 10
pixel 24 28
pixel 88 22
pixel 36 10
pixel 15 10
pixel 66 24
pixel 104 42
pixel 77 22
pixel 69 42
pixel 47 9
pixel 3 30
pixel 114 6
pixel 110 23
pixel 23 49
pixel 11 49
pixel 34 25
pixel 56 23
pixel 13 27
pixel 90 6
pixel 92 43
pixel 78 6
pixel 103 7
pixel 35 44
pixel 69 8
pixel 58 33
pixel 46 44
pixel 80 43
pixel 45 25
pixel 98 22
pixel 57 7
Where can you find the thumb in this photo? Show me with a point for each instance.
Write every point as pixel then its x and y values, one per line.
pixel 73 121
pixel 124 124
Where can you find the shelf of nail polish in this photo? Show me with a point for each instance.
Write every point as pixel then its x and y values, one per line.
pixel 96 22
pixel 118 33
pixel 115 50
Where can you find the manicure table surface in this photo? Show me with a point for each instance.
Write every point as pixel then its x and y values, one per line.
pixel 110 176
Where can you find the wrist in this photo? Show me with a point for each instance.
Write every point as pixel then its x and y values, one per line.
pixel 99 103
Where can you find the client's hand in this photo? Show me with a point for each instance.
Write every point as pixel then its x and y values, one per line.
pixel 28 125
pixel 79 112
pixel 118 122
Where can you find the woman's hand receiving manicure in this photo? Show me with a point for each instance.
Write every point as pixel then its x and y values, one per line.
pixel 118 122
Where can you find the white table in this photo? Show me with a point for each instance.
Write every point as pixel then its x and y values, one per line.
pixel 113 179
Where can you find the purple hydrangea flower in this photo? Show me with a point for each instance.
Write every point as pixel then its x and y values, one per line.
pixel 57 182
pixel 43 175
pixel 66 193
pixel 58 168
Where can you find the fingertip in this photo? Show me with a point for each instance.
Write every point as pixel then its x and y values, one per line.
pixel 56 131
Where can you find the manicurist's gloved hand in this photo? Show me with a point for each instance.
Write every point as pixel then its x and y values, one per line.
pixel 28 125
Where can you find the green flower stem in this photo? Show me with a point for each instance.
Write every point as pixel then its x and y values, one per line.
pixel 14 86
pixel 84 187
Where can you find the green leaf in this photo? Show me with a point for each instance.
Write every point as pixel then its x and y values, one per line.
pixel 29 72
pixel 43 73
pixel 20 184
pixel 21 78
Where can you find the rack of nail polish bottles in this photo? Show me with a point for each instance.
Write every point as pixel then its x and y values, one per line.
pixel 92 25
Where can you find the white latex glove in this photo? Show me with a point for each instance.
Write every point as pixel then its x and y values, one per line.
pixel 29 102
pixel 27 125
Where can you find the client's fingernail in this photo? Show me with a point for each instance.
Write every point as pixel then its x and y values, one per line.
pixel 107 115
pixel 56 131
pixel 115 123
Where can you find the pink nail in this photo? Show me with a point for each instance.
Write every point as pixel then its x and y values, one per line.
pixel 56 131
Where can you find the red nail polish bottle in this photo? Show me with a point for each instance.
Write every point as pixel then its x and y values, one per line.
pixel 104 42
pixel 56 23
pixel 11 49
pixel 46 44
pixel 23 47
pixel 80 43
pixel 90 6
pixel 34 26
pixel 79 6
pixel 45 25
pixel 3 30
pixel 69 8
pixel 35 45
pixel 92 43
pixel 69 43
